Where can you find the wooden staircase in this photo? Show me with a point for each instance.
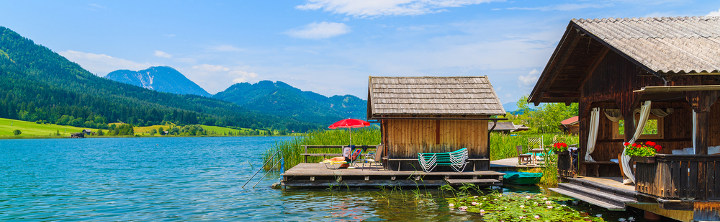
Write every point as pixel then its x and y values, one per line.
pixel 597 194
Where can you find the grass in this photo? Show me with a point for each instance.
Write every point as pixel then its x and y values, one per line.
pixel 32 129
pixel 502 146
pixel 291 149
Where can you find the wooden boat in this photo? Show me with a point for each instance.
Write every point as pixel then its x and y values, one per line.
pixel 521 178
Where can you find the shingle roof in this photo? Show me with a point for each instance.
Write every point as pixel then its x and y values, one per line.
pixel 662 45
pixel 418 96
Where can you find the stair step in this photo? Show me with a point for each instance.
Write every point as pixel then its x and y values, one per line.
pixel 599 194
pixel 588 199
pixel 599 186
pixel 473 181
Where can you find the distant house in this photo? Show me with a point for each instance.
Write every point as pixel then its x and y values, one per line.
pixel 433 114
pixel 507 127
pixel 571 125
pixel 87 131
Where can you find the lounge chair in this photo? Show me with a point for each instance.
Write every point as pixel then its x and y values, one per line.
pixel 455 159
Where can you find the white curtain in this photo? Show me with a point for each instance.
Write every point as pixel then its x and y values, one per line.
pixel 694 117
pixel 662 112
pixel 592 135
pixel 613 114
pixel 644 114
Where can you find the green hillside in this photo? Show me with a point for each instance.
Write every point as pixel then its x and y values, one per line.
pixel 37 84
pixel 281 99
pixel 32 129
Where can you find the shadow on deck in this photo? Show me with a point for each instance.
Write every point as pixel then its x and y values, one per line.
pixel 317 175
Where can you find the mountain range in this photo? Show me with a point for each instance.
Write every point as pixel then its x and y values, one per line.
pixel 37 84
pixel 274 98
pixel 159 78
pixel 279 98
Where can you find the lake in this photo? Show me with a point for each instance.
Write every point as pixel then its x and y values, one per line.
pixel 180 179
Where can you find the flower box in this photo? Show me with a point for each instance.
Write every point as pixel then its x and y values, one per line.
pixel 643 159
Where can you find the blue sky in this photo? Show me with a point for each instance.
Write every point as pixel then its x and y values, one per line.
pixel 326 46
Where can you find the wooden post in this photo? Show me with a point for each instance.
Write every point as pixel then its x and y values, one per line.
pixel 701 102
pixel 702 125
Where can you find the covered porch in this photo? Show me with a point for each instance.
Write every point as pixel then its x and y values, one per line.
pixel 639 80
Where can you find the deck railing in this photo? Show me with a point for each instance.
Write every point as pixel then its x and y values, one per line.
pixel 681 177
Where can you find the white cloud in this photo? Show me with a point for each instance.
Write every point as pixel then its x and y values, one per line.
pixel 101 64
pixel 320 30
pixel 225 48
pixel 216 78
pixel 563 7
pixel 372 8
pixel 529 79
pixel 714 13
pixel 162 54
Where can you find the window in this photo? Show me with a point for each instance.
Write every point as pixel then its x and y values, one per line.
pixel 653 128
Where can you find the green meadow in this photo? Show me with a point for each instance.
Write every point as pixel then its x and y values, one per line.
pixel 32 129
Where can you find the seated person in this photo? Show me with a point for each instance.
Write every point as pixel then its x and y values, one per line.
pixel 346 159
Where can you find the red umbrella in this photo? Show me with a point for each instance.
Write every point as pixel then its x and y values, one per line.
pixel 349 123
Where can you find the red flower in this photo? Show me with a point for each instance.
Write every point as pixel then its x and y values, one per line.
pixel 626 144
pixel 650 143
pixel 658 147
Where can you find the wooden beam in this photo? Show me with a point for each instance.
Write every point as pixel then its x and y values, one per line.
pixel 665 89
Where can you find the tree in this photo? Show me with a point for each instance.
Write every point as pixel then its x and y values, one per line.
pixel 546 118
pixel 100 133
pixel 17 132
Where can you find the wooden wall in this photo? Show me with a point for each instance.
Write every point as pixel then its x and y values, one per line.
pixel 407 137
pixel 677 129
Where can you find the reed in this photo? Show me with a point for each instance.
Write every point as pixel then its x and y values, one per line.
pixel 290 150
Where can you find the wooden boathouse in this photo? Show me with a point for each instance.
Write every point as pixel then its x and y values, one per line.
pixel 660 73
pixel 419 114
pixel 433 114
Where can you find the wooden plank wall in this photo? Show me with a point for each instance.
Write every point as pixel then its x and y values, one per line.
pixel 407 137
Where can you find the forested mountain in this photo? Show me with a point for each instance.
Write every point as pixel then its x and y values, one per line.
pixel 37 84
pixel 159 78
pixel 279 98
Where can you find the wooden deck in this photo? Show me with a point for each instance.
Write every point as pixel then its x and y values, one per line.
pixel 511 164
pixel 317 175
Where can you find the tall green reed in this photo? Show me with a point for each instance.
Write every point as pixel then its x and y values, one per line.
pixel 291 149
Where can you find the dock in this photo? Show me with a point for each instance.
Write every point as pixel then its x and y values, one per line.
pixel 309 175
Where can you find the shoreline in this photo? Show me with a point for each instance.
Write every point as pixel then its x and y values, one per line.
pixel 136 136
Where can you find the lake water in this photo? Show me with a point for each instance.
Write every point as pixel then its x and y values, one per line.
pixel 180 179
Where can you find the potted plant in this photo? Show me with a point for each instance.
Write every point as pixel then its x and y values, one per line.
pixel 642 152
pixel 559 148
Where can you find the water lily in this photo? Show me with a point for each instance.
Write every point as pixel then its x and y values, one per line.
pixel 549 207
pixel 474 203
pixel 537 216
pixel 548 202
pixel 522 206
pixel 521 217
pixel 463 208
pixel 544 198
pixel 527 197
